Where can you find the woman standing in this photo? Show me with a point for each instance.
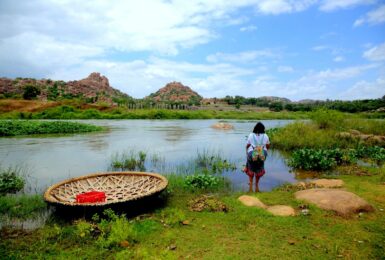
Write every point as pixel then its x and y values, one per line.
pixel 256 150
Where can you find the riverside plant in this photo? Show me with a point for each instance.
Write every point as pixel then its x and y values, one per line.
pixel 325 159
pixel 10 181
pixel 25 127
pixel 129 161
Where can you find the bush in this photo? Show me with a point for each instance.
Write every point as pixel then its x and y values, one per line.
pixel 325 118
pixel 10 181
pixel 31 92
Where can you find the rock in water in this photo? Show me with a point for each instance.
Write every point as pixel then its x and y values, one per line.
pixel 281 210
pixel 224 126
pixel 251 201
pixel 344 203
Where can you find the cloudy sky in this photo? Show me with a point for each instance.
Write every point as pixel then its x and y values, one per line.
pixel 297 49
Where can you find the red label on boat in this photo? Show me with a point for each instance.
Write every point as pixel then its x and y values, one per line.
pixel 91 197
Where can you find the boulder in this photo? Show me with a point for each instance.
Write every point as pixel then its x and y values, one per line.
pixel 281 210
pixel 251 201
pixel 224 126
pixel 327 183
pixel 344 203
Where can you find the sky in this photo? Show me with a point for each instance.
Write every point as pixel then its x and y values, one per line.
pixel 298 49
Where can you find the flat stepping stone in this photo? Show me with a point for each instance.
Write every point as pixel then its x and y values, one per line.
pixel 281 210
pixel 251 201
pixel 344 203
pixel 328 183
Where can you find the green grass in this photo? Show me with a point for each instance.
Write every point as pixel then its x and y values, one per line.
pixel 21 206
pixel 242 233
pixel 315 135
pixel 26 127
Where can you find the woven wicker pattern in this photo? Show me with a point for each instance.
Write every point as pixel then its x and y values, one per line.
pixel 118 187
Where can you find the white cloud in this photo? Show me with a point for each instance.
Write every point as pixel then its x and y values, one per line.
pixel 339 59
pixel 283 6
pixel 365 90
pixel 376 16
pixel 332 5
pixel 285 69
pixel 249 28
pixel 320 48
pixel 241 57
pixel 377 53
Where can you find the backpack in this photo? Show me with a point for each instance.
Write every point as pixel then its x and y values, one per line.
pixel 258 153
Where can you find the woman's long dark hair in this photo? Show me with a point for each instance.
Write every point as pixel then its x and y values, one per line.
pixel 259 128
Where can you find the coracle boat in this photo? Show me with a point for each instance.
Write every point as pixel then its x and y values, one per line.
pixel 117 187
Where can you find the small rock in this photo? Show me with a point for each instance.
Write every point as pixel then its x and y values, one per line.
pixel 251 201
pixel 124 243
pixel 305 212
pixel 186 222
pixel 172 247
pixel 291 242
pixel 281 210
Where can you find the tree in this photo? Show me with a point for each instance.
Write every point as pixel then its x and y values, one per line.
pixel 31 92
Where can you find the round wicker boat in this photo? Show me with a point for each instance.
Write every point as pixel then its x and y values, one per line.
pixel 117 186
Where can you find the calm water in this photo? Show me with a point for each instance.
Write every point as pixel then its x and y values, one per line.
pixel 55 158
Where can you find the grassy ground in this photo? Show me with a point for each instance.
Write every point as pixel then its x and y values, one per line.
pixel 241 233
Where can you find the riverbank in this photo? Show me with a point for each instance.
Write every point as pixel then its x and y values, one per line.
pixel 174 231
pixel 22 109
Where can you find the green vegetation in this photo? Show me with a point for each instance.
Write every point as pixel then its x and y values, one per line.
pixel 21 206
pixel 329 134
pixel 202 181
pixel 129 161
pixel 10 181
pixel 21 127
pixel 330 140
pixel 31 92
pixel 71 112
pixel 174 231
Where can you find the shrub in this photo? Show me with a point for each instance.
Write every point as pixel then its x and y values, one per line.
pixel 10 181
pixel 326 118
pixel 31 92
pixel 310 159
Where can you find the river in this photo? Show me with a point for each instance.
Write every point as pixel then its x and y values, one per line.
pixel 48 159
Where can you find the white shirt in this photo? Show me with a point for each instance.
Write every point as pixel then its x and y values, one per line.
pixel 257 139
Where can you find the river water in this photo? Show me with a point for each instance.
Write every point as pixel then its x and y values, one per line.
pixel 49 159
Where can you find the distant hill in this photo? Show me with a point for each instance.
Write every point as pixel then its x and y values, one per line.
pixel 274 99
pixel 94 88
pixel 175 93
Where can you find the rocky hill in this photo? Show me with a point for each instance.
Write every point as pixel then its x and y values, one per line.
pixel 94 88
pixel 175 93
pixel 274 99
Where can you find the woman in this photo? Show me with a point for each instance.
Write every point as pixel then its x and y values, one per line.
pixel 255 166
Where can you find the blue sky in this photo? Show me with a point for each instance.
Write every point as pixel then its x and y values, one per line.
pixel 304 49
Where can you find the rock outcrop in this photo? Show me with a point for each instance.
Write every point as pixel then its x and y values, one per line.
pixel 176 93
pixel 94 88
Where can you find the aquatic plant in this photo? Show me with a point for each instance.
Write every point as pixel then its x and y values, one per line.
pixel 129 161
pixel 24 127
pixel 211 163
pixel 201 181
